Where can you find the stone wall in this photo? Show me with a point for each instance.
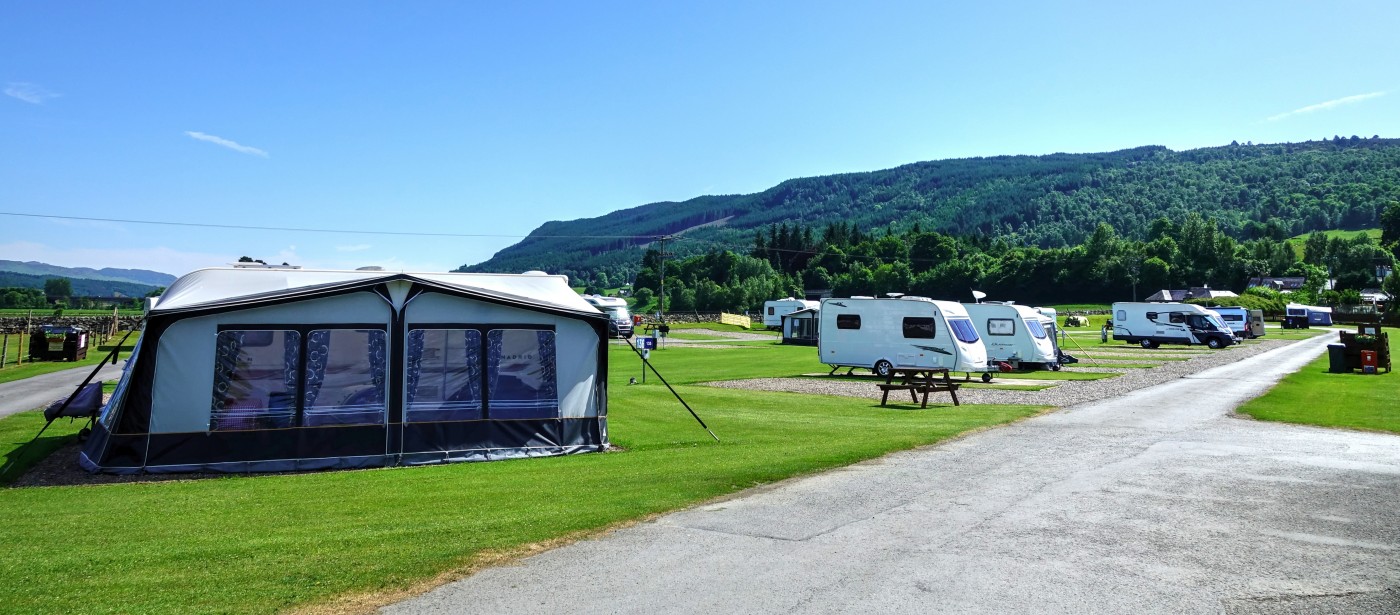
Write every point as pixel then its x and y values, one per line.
pixel 96 324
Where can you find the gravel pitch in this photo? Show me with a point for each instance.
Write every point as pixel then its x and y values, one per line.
pixel 1069 393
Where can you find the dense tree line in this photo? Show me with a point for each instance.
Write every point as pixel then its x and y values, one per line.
pixel 786 260
pixel 1054 202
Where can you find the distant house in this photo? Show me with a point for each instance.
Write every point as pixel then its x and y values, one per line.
pixel 1283 284
pixel 1195 292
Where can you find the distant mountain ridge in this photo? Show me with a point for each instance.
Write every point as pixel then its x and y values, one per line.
pixel 142 277
pixel 1053 200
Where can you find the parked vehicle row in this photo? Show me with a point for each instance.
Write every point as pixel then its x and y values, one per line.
pixel 1154 324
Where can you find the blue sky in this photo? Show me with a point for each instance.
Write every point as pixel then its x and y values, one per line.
pixel 484 120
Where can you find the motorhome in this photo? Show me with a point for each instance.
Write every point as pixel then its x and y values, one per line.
pixel 1246 323
pixel 1154 324
pixel 773 311
pixel 1013 334
pixel 906 332
pixel 619 319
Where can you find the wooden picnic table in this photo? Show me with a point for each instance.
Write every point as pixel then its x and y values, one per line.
pixel 918 380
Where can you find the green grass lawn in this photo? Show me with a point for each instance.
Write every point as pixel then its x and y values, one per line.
pixel 1312 396
pixel 261 544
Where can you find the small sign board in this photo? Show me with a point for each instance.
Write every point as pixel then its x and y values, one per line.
pixel 646 343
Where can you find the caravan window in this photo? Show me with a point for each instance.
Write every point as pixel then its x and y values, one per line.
pixel 1233 317
pixel 1177 317
pixel 848 321
pixel 963 330
pixel 443 375
pixel 255 379
pixel 520 374
pixel 344 377
pixel 1001 326
pixel 918 327
pixel 770 310
pixel 1035 328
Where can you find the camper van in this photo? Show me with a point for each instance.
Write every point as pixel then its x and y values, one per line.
pixel 904 332
pixel 620 321
pixel 1154 324
pixel 1013 334
pixel 1246 323
pixel 773 311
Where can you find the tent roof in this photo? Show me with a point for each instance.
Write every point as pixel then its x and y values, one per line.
pixel 220 286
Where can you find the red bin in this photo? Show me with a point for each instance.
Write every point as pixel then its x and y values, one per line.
pixel 1368 361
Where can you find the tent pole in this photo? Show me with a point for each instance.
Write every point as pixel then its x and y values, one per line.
pixel 673 392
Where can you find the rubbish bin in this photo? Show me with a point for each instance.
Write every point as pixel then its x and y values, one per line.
pixel 1337 359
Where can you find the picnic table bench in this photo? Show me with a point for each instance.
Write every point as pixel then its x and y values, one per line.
pixel 919 380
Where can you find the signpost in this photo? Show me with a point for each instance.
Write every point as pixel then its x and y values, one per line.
pixel 646 345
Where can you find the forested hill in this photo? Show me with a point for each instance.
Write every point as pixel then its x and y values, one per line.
pixel 1055 200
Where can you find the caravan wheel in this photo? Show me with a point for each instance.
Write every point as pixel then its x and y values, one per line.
pixel 1148 344
pixel 1215 343
pixel 986 377
pixel 883 368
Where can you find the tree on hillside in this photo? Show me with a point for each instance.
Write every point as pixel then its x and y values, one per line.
pixel 58 288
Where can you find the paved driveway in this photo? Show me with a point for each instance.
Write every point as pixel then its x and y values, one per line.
pixel 1156 502
pixel 39 391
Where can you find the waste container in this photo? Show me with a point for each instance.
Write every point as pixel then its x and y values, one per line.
pixel 1368 361
pixel 58 343
pixel 1337 359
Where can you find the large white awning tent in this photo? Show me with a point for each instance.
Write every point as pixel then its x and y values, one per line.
pixel 271 369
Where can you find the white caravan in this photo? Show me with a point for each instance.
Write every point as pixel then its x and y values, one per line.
pixel 775 310
pixel 1153 324
pixel 1013 333
pixel 907 332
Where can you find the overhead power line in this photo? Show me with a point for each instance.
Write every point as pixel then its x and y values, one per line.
pixel 320 230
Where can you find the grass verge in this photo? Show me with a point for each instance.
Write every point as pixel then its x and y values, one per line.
pixel 1313 396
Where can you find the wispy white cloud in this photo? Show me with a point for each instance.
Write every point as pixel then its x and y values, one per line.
pixel 233 145
pixel 355 248
pixel 31 93
pixel 1323 106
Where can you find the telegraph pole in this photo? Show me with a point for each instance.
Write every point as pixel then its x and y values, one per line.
pixel 662 299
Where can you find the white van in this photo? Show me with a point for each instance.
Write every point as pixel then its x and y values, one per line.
pixel 907 332
pixel 1154 324
pixel 1013 333
pixel 619 319
pixel 775 310
pixel 1244 322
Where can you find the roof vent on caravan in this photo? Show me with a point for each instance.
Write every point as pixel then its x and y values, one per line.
pixel 257 265
pixel 370 268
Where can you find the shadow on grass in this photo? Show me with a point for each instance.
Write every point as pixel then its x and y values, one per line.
pixel 25 455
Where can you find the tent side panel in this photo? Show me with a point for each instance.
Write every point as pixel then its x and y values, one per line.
pixel 305 448
pixel 184 363
pixel 427 443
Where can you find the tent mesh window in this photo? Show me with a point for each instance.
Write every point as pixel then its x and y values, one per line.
pixel 444 375
pixel 520 373
pixel 345 383
pixel 255 380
